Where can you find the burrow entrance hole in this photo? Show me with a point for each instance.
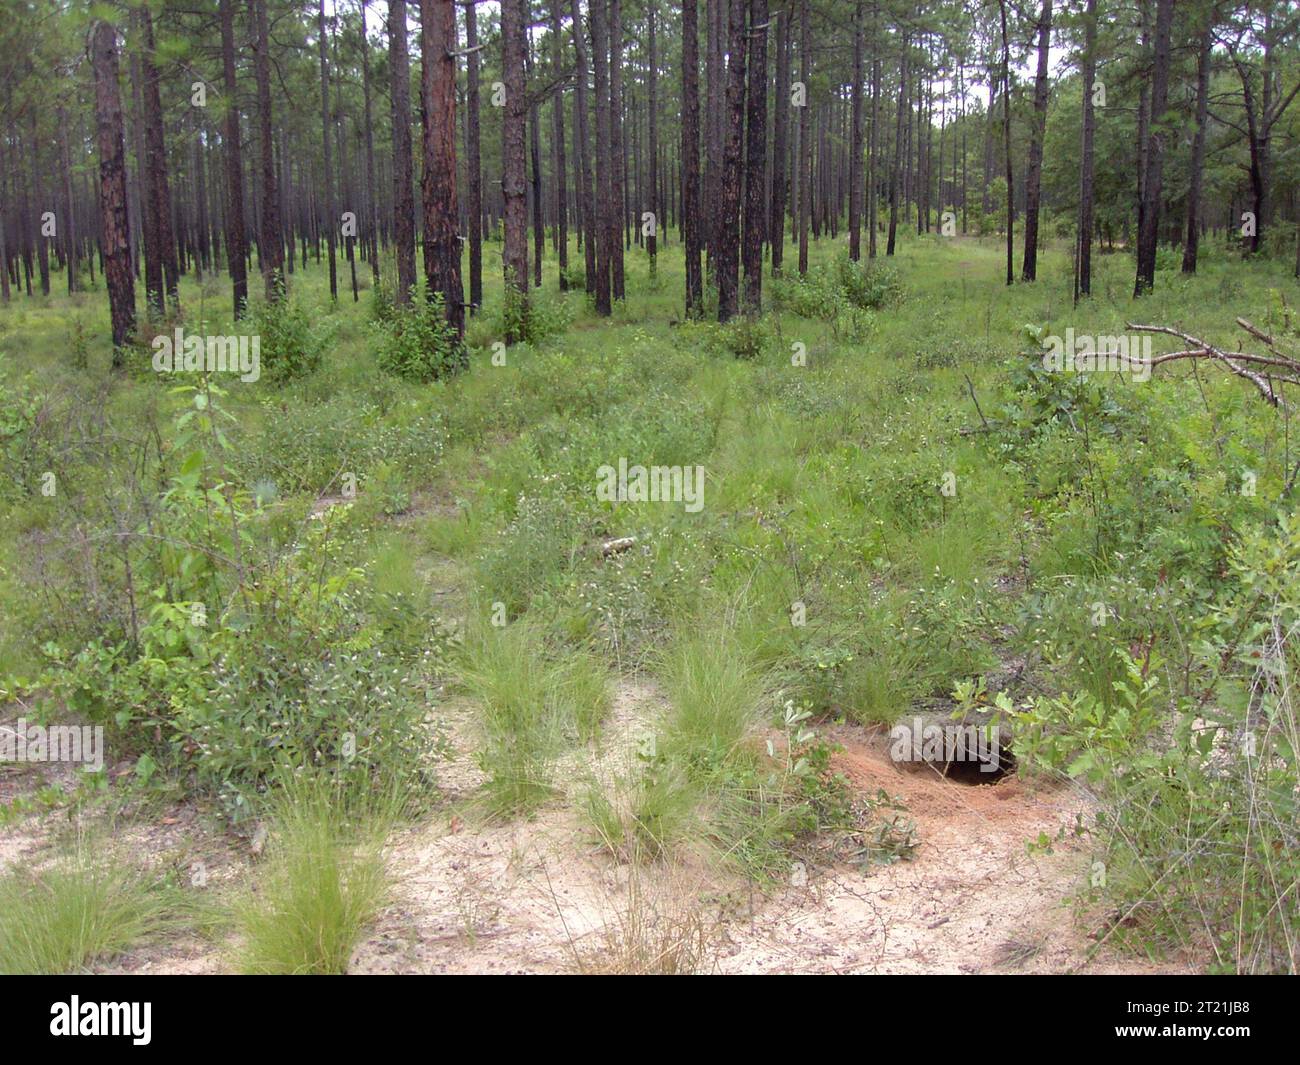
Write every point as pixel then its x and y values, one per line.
pixel 975 768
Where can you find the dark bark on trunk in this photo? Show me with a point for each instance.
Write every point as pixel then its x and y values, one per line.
pixel 560 159
pixel 69 218
pixel 327 175
pixel 1034 169
pixel 605 211
pixel 586 194
pixel 1149 232
pixel 781 140
pixel 159 190
pixel 114 238
pixel 473 161
pixel 372 189
pixel 618 157
pixel 155 299
pixel 236 233
pixel 804 157
pixel 1006 143
pixel 4 243
pixel 438 183
pixel 652 133
pixel 270 245
pixel 535 155
pixel 855 150
pixel 756 163
pixel 1193 239
pixel 692 234
pixel 348 177
pixel 732 165
pixel 1086 167
pixel 403 195
pixel 896 163
pixel 873 150
pixel 1144 111
pixel 514 17
pixel 713 137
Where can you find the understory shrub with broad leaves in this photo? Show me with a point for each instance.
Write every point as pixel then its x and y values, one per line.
pixel 744 337
pixel 870 286
pixel 291 346
pixel 18 410
pixel 242 666
pixel 1199 826
pixel 414 341
pixel 844 294
pixel 533 320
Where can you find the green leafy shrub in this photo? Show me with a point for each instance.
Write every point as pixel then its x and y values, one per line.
pixel 1198 844
pixel 415 341
pixel 290 346
pixel 245 665
pixel 18 411
pixel 869 285
pixel 744 337
pixel 533 320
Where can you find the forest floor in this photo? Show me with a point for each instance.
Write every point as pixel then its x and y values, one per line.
pixel 821 494
pixel 474 895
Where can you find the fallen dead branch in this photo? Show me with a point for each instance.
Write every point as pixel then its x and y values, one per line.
pixel 1267 373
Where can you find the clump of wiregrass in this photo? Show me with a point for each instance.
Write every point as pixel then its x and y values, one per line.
pixel 325 878
pixel 717 697
pixel 645 813
pixel 656 930
pixel 84 908
pixel 533 701
pixel 708 777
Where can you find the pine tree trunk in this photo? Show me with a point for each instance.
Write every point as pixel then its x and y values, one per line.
pixel 652 133
pixel 1086 162
pixel 1149 228
pixel 514 17
pixel 68 219
pixel 327 174
pixel 535 154
pixel 372 190
pixel 473 161
pixel 586 195
pixel 605 213
pixel 692 235
pixel 1006 138
pixel 1034 168
pixel 403 195
pixel 855 150
pixel 236 233
pixel 114 238
pixel 713 137
pixel 804 156
pixel 1193 226
pixel 559 157
pixel 270 245
pixel 756 163
pixel 438 183
pixel 873 150
pixel 896 163
pixel 780 141
pixel 732 166
pixel 617 149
